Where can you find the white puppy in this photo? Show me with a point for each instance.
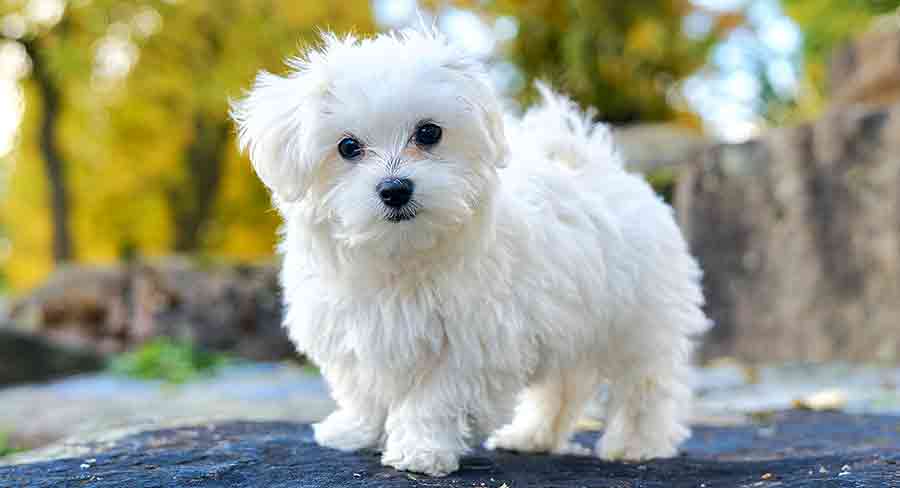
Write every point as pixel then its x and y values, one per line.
pixel 436 290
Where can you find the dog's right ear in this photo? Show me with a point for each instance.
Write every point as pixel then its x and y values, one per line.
pixel 270 122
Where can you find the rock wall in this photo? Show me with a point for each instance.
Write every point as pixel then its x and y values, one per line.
pixel 799 236
pixel 235 309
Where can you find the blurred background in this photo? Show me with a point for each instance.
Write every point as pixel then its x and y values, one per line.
pixel 136 241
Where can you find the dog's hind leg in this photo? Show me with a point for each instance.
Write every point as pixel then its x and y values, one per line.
pixel 546 416
pixel 580 386
pixel 533 426
pixel 649 403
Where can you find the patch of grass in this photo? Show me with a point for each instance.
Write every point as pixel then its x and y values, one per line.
pixel 663 181
pixel 310 368
pixel 5 447
pixel 168 360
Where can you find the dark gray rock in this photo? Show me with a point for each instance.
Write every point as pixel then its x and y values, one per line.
pixel 26 358
pixel 798 233
pixel 798 449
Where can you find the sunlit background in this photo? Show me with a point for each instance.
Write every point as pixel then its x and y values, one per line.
pixel 727 93
pixel 765 53
pixel 138 279
pixel 138 93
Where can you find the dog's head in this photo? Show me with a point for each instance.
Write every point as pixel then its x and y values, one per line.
pixel 391 142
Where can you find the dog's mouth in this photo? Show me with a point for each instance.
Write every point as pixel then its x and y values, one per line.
pixel 397 217
pixel 402 214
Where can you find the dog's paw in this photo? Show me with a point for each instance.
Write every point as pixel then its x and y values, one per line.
pixel 513 438
pixel 640 442
pixel 424 460
pixel 633 450
pixel 345 432
pixel 572 449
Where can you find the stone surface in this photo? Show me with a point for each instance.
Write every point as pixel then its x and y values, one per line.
pixel 729 389
pixel 799 236
pixel 28 358
pixel 234 309
pixel 867 69
pixel 82 406
pixel 795 449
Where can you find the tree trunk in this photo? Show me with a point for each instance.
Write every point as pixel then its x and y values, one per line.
pixel 54 162
pixel 192 202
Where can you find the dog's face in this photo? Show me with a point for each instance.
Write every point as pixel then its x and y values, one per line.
pixel 391 142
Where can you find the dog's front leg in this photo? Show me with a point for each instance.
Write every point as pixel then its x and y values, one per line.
pixel 350 428
pixel 426 431
pixel 358 423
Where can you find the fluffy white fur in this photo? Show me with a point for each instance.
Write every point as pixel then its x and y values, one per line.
pixel 513 290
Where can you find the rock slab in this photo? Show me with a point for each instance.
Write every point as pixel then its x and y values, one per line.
pixel 798 233
pixel 793 449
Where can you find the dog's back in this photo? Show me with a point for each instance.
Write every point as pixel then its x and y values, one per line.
pixel 559 131
pixel 588 211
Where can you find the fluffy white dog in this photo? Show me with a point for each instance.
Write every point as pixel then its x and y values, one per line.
pixel 436 290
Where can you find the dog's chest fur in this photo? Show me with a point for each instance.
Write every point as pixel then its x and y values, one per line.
pixel 495 316
pixel 405 324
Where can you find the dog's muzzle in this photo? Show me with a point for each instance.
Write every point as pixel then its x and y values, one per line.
pixel 397 196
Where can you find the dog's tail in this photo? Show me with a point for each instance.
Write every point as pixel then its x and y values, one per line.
pixel 567 134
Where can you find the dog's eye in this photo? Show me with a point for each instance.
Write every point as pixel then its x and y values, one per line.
pixel 428 135
pixel 350 148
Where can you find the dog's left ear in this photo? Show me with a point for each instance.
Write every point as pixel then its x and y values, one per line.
pixel 481 94
pixel 494 123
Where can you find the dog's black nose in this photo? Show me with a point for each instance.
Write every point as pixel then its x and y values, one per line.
pixel 395 192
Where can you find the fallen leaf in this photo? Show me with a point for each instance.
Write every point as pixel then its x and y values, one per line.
pixel 825 400
pixel 589 424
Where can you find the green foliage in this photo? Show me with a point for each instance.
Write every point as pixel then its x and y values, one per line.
pixel 168 360
pixel 151 162
pixel 826 24
pixel 621 57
